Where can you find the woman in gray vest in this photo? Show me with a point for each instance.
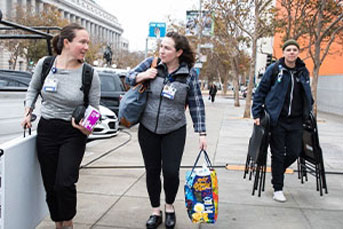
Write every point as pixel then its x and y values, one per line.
pixel 61 142
pixel 162 130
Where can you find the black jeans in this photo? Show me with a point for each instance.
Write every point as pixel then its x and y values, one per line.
pixel 286 145
pixel 60 149
pixel 162 151
pixel 213 96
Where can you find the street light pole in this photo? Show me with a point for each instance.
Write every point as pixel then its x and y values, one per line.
pixel 199 31
pixel 146 48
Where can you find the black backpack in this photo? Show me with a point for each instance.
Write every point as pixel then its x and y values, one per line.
pixel 275 72
pixel 87 76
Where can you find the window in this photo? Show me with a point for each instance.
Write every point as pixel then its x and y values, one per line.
pixel 110 83
pixel 107 83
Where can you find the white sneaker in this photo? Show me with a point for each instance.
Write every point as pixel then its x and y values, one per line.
pixel 279 196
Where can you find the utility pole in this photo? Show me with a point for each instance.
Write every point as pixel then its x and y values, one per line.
pixel 146 48
pixel 199 31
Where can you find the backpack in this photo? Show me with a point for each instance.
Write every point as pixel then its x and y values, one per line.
pixel 87 76
pixel 132 105
pixel 275 72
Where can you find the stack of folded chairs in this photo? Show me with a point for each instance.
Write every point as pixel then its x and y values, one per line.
pixel 256 162
pixel 311 158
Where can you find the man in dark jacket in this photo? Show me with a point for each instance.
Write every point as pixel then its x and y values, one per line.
pixel 285 93
pixel 213 91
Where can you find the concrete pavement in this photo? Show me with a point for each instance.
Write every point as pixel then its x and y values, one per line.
pixel 112 193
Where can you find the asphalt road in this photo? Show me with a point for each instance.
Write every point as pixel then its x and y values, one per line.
pixel 11 114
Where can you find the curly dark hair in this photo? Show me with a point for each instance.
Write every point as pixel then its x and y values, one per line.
pixel 181 42
pixel 67 32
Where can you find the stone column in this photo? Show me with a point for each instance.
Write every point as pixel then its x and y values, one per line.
pixel 67 15
pixel 9 9
pixel 38 7
pixel 61 12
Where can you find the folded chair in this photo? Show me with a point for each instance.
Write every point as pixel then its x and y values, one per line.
pixel 311 160
pixel 256 162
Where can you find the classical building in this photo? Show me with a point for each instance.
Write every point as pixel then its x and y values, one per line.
pixel 100 24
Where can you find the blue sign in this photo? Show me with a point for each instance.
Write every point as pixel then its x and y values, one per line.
pixel 157 29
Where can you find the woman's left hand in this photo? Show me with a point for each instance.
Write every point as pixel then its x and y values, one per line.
pixel 202 142
pixel 83 130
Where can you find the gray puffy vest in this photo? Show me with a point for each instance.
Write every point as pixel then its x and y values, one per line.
pixel 163 115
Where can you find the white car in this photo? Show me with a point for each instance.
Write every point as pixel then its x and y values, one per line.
pixel 108 125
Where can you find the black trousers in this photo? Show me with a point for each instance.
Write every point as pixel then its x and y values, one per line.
pixel 60 149
pixel 162 152
pixel 286 145
pixel 213 96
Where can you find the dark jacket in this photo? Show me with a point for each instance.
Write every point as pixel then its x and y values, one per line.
pixel 272 91
pixel 213 90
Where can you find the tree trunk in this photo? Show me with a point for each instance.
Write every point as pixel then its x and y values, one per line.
pixel 235 81
pixel 225 87
pixel 314 84
pixel 251 80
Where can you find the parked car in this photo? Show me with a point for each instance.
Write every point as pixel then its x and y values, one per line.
pixel 112 88
pixel 245 92
pixel 108 125
pixel 122 74
pixel 14 80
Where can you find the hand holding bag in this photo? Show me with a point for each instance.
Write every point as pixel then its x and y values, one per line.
pixel 133 103
pixel 201 192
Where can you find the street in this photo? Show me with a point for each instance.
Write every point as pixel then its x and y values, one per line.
pixel 11 115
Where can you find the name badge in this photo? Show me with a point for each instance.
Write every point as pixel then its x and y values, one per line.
pixel 169 91
pixel 50 85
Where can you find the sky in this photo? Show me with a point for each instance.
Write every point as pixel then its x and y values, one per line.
pixel 135 16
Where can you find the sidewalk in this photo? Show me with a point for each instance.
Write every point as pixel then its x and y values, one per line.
pixel 115 196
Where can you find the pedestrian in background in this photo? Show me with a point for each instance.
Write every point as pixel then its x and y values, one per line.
pixel 61 142
pixel 286 96
pixel 162 130
pixel 213 92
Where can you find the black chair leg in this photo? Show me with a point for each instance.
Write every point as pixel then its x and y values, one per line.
pixel 257 173
pixel 260 181
pixel 246 169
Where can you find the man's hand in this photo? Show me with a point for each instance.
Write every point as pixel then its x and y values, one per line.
pixel 257 121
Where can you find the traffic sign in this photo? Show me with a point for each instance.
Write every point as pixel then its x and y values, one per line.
pixel 157 29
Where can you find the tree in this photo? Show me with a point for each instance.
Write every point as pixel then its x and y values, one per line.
pixel 33 50
pixel 290 19
pixel 93 52
pixel 255 19
pixel 218 71
pixel 320 28
pixel 228 39
pixel 126 59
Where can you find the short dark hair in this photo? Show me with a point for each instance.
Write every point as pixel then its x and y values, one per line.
pixel 67 32
pixel 181 42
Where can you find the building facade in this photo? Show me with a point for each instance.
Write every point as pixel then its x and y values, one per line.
pixel 100 24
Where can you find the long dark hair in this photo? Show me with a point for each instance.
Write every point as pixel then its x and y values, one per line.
pixel 67 32
pixel 181 42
